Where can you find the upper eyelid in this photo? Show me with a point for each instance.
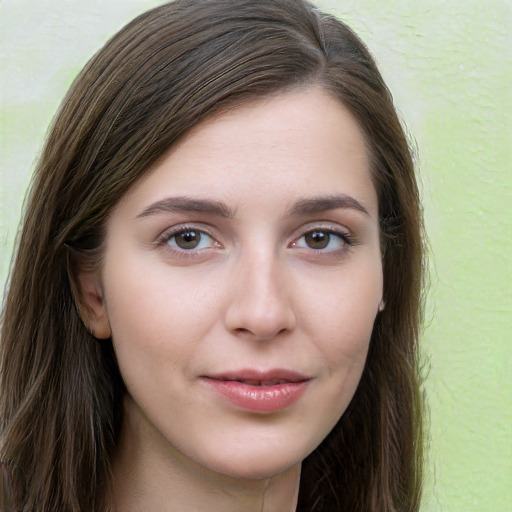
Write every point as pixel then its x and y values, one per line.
pixel 346 237
pixel 168 233
pixel 349 238
pixel 332 227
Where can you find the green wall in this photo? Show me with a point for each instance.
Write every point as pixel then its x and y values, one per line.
pixel 448 64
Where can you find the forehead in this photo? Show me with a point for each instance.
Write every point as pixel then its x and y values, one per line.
pixel 300 143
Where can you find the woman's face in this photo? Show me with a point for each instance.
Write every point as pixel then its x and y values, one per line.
pixel 241 281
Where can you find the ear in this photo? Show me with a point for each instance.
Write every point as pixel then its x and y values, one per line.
pixel 382 305
pixel 90 301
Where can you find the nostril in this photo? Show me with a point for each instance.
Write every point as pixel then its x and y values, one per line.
pixel 242 330
pixel 260 333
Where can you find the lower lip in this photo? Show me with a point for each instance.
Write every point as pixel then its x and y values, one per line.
pixel 259 398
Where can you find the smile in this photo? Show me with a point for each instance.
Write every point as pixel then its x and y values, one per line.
pixel 259 391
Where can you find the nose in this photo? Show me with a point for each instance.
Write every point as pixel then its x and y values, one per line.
pixel 260 305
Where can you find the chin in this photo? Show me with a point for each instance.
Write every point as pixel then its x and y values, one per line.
pixel 261 461
pixel 254 469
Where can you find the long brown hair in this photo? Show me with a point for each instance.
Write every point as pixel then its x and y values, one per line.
pixel 162 74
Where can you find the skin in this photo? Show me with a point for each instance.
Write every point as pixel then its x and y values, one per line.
pixel 258 291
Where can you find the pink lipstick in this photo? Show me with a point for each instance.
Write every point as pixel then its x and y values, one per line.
pixel 262 391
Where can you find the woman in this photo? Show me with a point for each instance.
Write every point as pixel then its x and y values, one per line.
pixel 216 296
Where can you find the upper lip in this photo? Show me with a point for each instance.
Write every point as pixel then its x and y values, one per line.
pixel 261 377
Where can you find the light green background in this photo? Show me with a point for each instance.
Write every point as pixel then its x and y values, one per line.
pixel 448 64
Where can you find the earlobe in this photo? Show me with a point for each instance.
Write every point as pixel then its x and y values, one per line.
pixel 382 305
pixel 91 305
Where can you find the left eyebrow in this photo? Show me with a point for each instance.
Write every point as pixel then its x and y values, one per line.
pixel 187 204
pixel 325 203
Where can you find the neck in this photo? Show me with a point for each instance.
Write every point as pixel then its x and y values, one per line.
pixel 149 476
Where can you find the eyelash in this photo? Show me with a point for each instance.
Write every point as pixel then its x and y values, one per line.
pixel 347 241
pixel 171 233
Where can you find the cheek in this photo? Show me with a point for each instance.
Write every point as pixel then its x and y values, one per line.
pixel 146 294
pixel 157 319
pixel 344 318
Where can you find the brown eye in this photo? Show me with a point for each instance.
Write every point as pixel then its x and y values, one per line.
pixel 317 239
pixel 190 239
pixel 323 240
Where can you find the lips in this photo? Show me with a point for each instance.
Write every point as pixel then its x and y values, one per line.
pixel 261 377
pixel 262 391
pixel 252 382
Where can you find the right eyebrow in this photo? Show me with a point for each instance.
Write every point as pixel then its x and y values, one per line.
pixel 187 204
